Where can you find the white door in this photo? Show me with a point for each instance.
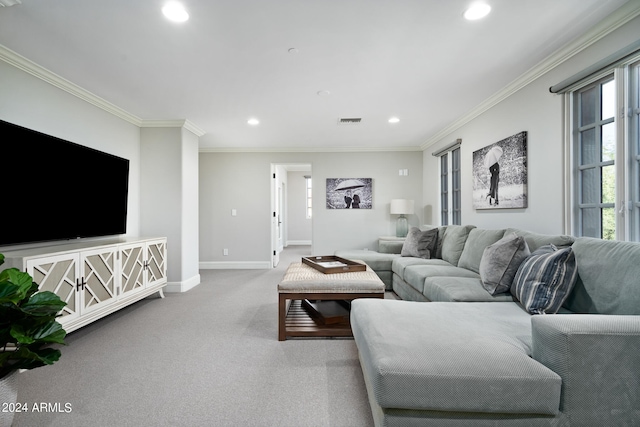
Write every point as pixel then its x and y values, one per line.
pixel 275 217
pixel 281 216
pixel 281 187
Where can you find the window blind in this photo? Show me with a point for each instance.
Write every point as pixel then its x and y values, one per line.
pixel 455 144
pixel 608 62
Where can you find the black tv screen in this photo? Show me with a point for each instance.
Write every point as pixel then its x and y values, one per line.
pixel 54 189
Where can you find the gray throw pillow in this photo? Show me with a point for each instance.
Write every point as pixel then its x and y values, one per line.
pixel 500 262
pixel 420 244
pixel 455 236
pixel 545 279
pixel 441 231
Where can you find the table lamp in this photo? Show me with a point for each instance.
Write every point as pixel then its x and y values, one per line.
pixel 402 207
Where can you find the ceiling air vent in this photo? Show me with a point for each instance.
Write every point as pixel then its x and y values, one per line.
pixel 349 121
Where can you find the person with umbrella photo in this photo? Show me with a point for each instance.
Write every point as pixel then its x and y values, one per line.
pixel 347 199
pixel 505 186
pixel 341 193
pixel 491 162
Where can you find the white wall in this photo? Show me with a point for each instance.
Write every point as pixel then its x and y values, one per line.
pixel 241 181
pixel 298 225
pixel 170 199
pixel 190 202
pixel 535 110
pixel 31 102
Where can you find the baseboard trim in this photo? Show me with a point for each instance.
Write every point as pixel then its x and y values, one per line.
pixel 183 286
pixel 298 242
pixel 235 265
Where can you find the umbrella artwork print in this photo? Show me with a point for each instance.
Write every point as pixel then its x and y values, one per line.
pixel 349 193
pixel 500 174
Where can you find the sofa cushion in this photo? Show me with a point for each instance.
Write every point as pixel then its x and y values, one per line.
pixel 544 279
pixel 390 246
pixel 471 357
pixel 420 244
pixel 608 273
pixel 475 245
pixel 460 289
pixel 415 275
pixel 375 260
pixel 535 240
pixel 453 242
pixel 400 264
pixel 500 262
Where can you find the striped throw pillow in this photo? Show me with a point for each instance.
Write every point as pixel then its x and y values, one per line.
pixel 545 279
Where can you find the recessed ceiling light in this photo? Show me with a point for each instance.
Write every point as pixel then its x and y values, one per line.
pixel 293 51
pixel 175 12
pixel 324 93
pixel 253 122
pixel 394 120
pixel 477 11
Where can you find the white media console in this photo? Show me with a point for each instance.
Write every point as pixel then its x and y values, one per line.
pixel 95 278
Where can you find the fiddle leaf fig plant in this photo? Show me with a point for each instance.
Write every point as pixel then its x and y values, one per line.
pixel 28 325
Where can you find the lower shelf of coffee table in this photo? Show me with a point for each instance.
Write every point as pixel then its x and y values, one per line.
pixel 300 324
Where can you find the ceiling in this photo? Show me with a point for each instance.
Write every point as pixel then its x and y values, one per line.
pixel 418 60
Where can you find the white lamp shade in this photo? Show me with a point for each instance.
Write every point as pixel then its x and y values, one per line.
pixel 401 207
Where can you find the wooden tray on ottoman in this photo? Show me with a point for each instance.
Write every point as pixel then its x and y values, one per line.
pixel 330 264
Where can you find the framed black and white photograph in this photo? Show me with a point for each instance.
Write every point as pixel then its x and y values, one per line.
pixel 349 193
pixel 500 174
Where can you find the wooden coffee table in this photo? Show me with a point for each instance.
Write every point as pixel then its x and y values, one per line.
pixel 302 282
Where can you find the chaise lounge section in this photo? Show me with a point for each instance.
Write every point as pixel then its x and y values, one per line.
pixel 459 361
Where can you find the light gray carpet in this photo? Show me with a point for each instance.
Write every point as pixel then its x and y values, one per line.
pixel 207 357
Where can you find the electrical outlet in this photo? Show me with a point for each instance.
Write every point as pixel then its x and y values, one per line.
pixel 225 252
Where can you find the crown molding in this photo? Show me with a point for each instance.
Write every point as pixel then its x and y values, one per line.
pixel 188 125
pixel 197 131
pixel 28 66
pixel 306 149
pixel 15 59
pixel 618 18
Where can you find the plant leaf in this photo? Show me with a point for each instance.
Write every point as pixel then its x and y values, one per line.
pixel 51 332
pixel 10 293
pixel 22 335
pixel 15 277
pixel 26 358
pixel 43 304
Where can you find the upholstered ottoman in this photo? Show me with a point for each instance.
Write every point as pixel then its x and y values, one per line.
pixel 302 282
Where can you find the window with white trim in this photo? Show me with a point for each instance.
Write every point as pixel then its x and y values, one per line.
pixel 456 199
pixel 444 189
pixel 450 193
pixel 309 197
pixel 605 160
pixel 634 152
pixel 595 154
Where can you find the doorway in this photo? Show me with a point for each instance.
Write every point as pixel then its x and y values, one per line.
pixel 288 206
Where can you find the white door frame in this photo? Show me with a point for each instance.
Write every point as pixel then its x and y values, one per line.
pixel 275 217
pixel 278 209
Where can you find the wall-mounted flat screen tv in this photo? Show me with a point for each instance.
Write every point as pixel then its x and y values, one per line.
pixel 52 189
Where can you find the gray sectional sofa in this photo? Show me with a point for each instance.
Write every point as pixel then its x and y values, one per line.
pixel 450 353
